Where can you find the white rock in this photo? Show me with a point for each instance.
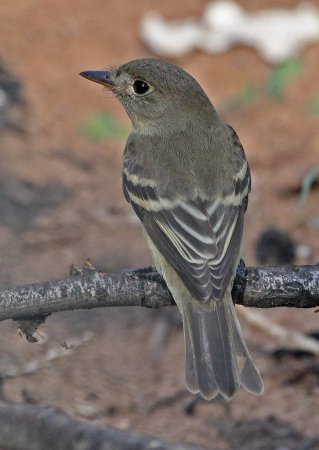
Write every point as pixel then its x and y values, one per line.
pixel 170 38
pixel 277 34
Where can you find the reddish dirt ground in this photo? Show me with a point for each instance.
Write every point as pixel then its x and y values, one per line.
pixel 112 379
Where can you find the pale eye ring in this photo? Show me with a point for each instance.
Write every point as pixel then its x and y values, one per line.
pixel 140 87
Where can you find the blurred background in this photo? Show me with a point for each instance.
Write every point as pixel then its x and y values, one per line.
pixel 61 202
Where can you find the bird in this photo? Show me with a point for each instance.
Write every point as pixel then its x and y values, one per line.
pixel 187 178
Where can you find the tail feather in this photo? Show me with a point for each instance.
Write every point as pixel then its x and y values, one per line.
pixel 213 340
pixel 191 374
pixel 198 365
pixel 223 356
pixel 250 377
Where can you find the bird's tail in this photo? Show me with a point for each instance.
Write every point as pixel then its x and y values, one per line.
pixel 217 358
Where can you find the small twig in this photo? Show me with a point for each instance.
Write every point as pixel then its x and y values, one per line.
pixel 51 355
pixel 285 337
pixel 168 400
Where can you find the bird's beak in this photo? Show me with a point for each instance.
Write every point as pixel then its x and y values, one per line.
pixel 101 76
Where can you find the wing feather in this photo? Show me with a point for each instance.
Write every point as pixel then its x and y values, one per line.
pixel 200 238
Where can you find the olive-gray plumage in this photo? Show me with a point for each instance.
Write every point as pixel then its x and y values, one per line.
pixel 187 178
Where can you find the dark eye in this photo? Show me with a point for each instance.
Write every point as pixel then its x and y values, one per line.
pixel 140 87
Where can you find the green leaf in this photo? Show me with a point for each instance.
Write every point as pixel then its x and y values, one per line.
pixel 103 126
pixel 313 106
pixel 307 183
pixel 281 76
pixel 248 94
pixel 313 222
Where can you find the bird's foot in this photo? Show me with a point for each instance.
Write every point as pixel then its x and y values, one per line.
pixel 240 271
pixel 145 274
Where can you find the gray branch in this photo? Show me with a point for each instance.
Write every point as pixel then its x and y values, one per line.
pixel 31 427
pixel 261 287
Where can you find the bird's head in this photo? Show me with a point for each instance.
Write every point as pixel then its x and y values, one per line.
pixel 156 94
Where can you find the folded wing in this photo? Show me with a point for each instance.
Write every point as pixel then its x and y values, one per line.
pixel 200 237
